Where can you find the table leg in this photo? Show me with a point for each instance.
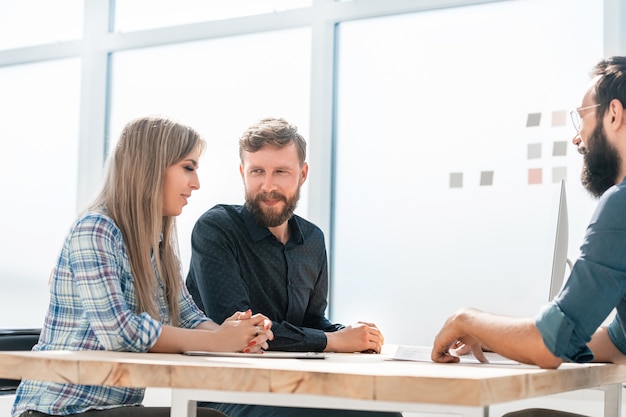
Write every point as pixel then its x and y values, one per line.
pixel 182 406
pixel 612 400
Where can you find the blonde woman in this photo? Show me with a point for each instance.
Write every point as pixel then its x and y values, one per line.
pixel 117 283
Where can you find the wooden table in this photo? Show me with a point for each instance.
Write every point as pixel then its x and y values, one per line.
pixel 346 381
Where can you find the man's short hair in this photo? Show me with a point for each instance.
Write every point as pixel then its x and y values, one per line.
pixel 273 132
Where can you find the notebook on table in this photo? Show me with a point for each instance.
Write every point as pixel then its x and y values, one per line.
pixel 422 354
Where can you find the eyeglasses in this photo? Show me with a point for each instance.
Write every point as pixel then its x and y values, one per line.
pixel 577 119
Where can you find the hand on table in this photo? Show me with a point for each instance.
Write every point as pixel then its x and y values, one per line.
pixel 454 337
pixel 252 332
pixel 359 337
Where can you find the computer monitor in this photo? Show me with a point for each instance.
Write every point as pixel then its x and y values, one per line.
pixel 559 258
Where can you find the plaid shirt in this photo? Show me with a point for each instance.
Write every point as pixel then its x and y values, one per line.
pixel 92 307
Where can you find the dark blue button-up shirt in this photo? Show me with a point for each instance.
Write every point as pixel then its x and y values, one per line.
pixel 237 264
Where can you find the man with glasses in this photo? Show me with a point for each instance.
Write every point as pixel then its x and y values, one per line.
pixel 569 328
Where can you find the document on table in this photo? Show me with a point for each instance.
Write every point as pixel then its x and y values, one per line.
pixel 422 354
pixel 266 354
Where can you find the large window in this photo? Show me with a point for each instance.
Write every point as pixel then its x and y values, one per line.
pixel 450 148
pixel 32 22
pixel 148 14
pixel 38 175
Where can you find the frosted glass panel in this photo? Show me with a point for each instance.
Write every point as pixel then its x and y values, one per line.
pixel 38 174
pixel 31 22
pixel 451 142
pixel 148 14
pixel 219 87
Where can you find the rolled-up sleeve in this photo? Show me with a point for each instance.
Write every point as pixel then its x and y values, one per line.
pixel 616 333
pixel 560 336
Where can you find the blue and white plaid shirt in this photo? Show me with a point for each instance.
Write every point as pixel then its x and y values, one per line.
pixel 92 307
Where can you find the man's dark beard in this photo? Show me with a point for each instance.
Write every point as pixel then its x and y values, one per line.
pixel 601 163
pixel 272 218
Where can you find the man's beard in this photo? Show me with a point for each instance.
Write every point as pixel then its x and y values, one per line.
pixel 601 163
pixel 271 217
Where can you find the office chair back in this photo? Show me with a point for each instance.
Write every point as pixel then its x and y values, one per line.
pixel 16 339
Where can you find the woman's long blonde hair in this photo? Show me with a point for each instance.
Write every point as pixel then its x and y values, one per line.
pixel 133 197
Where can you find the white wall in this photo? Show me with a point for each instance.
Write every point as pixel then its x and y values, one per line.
pixel 479 90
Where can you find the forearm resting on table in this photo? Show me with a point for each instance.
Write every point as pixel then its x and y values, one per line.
pixel 177 340
pixel 331 343
pixel 516 338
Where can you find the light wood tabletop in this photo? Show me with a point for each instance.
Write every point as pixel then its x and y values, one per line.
pixel 376 381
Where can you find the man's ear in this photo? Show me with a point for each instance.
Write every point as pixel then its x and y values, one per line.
pixel 241 170
pixel 304 172
pixel 616 112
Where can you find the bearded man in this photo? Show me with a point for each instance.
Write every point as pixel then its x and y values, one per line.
pixel 569 328
pixel 262 257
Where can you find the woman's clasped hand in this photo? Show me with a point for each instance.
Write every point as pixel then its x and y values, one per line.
pixel 251 331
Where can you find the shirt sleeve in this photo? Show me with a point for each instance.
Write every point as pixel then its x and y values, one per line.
pixel 190 315
pixel 616 333
pixel 315 316
pixel 596 285
pixel 560 337
pixel 97 259
pixel 214 275
pixel 310 335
